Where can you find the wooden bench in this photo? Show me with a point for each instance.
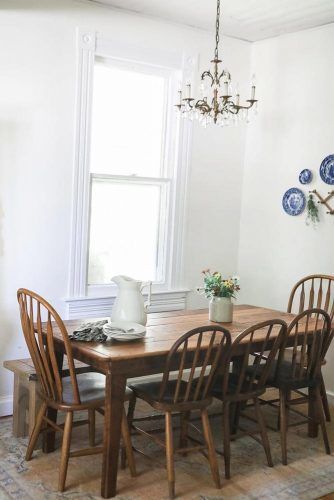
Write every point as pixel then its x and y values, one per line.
pixel 26 399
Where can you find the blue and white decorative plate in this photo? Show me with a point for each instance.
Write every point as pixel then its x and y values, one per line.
pixel 327 169
pixel 294 201
pixel 305 176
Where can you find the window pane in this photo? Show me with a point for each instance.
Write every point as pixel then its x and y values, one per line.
pixel 123 231
pixel 127 122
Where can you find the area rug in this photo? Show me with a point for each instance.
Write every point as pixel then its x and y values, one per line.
pixel 309 475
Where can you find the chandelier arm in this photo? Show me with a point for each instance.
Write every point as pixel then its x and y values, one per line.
pixel 203 106
pixel 234 110
pixel 207 73
pixel 251 103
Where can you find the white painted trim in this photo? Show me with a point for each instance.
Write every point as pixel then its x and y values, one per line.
pixel 88 307
pixel 137 54
pixel 181 181
pixel 330 396
pixel 177 157
pixel 86 41
pixel 6 406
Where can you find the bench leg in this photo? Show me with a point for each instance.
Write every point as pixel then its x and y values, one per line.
pixel 20 404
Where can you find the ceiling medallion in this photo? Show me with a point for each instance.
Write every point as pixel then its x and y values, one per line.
pixel 216 104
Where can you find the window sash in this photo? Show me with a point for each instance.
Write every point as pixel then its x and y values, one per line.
pixel 162 226
pixel 167 170
pixel 168 108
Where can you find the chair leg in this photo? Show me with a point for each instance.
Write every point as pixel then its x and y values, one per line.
pixel 211 448
pixel 227 439
pixel 263 430
pixel 184 430
pixel 236 417
pixel 283 425
pixel 36 431
pixel 65 450
pixel 321 420
pixel 131 411
pixel 324 400
pixel 91 427
pixel 170 454
pixel 128 445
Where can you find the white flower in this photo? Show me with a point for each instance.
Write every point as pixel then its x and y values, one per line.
pixel 236 279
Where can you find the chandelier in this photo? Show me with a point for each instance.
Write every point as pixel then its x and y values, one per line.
pixel 216 104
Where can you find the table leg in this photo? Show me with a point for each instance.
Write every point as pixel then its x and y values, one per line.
pixel 236 408
pixel 313 426
pixel 50 437
pixel 114 404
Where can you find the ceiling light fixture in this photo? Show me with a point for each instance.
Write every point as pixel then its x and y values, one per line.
pixel 216 104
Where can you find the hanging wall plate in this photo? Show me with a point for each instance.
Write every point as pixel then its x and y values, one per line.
pixel 294 201
pixel 305 176
pixel 327 169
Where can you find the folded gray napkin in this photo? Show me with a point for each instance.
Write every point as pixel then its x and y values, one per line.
pixel 90 332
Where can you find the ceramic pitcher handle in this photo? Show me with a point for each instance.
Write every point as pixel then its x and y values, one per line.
pixel 148 302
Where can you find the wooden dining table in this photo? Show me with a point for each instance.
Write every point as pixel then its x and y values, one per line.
pixel 120 361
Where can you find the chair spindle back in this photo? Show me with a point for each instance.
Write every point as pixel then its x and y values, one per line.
pixel 312 335
pixel 263 342
pixel 202 348
pixel 41 344
pixel 314 291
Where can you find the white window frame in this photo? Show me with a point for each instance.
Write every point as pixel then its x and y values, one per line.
pixel 96 300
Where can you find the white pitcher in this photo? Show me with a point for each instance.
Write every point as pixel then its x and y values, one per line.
pixel 129 304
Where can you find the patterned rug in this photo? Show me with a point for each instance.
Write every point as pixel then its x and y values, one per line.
pixel 309 475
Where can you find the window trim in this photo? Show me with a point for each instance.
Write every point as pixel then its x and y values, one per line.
pixel 89 46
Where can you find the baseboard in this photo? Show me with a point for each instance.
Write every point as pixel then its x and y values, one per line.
pixel 330 396
pixel 6 406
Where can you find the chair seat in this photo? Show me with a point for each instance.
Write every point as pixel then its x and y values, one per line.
pixel 150 392
pixel 286 376
pixel 288 353
pixel 91 388
pixel 233 379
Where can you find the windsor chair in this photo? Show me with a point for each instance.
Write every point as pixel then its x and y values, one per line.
pixel 72 393
pixel 202 349
pixel 311 335
pixel 316 290
pixel 238 387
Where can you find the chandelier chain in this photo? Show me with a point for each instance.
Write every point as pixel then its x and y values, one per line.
pixel 217 29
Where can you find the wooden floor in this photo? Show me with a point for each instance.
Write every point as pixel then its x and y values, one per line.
pixel 309 474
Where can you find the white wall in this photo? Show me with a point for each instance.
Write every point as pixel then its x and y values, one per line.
pixel 294 130
pixel 37 95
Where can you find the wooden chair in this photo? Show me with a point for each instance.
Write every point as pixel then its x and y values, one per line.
pixel 202 349
pixel 311 334
pixel 236 388
pixel 71 393
pixel 316 290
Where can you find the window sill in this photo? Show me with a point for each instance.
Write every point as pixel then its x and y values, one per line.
pixel 89 307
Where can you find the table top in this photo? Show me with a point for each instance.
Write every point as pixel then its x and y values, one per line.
pixel 163 329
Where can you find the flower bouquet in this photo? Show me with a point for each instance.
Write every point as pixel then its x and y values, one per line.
pixel 220 291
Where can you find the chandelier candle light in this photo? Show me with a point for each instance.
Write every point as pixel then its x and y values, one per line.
pixel 216 104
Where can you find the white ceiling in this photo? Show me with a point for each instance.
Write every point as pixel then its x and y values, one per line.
pixel 246 19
